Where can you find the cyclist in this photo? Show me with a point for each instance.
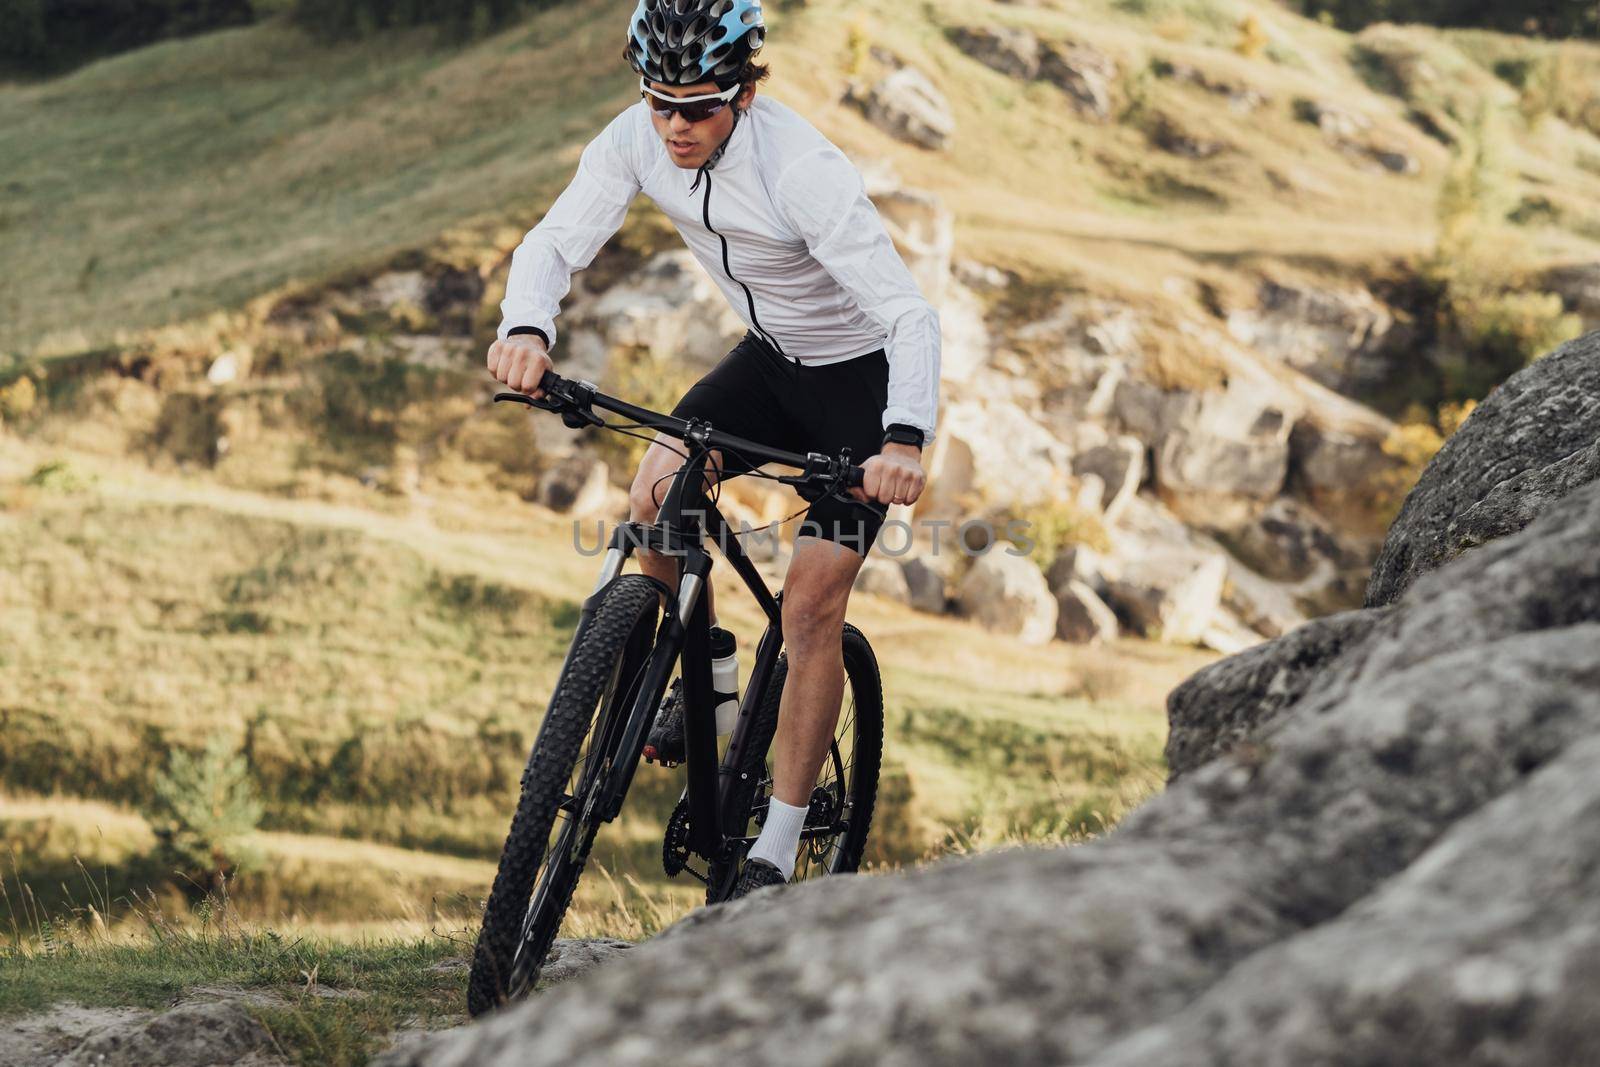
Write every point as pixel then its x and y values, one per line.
pixel 842 348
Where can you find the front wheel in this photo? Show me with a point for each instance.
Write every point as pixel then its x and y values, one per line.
pixel 846 789
pixel 557 817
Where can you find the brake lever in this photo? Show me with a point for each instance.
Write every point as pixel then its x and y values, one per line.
pixel 573 415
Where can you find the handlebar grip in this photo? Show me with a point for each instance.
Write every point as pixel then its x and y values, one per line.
pixel 854 476
pixel 549 380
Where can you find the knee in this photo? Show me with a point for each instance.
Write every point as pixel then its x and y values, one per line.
pixel 644 496
pixel 811 621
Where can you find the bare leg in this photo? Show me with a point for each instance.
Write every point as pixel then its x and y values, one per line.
pixel 816 593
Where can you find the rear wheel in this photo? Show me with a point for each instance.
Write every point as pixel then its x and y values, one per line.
pixel 557 815
pixel 846 788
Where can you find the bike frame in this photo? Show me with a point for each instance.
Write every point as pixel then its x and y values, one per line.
pixel 685 520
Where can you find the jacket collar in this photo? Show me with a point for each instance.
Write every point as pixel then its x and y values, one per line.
pixel 736 149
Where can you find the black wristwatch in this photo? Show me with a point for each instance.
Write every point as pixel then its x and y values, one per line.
pixel 529 329
pixel 901 434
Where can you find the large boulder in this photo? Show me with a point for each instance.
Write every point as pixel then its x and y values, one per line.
pixel 1085 74
pixel 1232 451
pixel 1007 593
pixel 1503 465
pixel 1290 542
pixel 1402 868
pixel 1007 49
pixel 908 106
pixel 1338 337
pixel 1169 592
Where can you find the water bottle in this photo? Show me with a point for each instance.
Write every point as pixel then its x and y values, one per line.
pixel 724 679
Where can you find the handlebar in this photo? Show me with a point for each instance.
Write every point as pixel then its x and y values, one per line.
pixel 575 400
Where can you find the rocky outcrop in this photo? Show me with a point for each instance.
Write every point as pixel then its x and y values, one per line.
pixel 1340 338
pixel 1398 866
pixel 1009 50
pixel 908 106
pixel 1085 74
pixel 1500 470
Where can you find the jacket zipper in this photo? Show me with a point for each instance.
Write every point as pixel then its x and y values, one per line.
pixel 750 300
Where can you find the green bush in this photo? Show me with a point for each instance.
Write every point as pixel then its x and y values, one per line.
pixel 46 35
pixel 205 813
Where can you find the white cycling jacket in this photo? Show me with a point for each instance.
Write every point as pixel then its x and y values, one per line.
pixel 824 281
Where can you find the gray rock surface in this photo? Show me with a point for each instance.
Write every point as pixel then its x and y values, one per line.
pixel 926 582
pixel 1221 705
pixel 214 1031
pixel 1538 418
pixel 1203 928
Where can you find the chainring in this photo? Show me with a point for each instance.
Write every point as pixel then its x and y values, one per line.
pixel 675 845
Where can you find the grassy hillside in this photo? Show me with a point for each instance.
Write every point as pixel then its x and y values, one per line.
pixel 196 174
pixel 384 669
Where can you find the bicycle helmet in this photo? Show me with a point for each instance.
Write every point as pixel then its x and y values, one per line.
pixel 683 42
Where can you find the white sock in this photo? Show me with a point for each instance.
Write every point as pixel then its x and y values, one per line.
pixel 780 836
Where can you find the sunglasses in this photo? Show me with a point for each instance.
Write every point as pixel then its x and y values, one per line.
pixel 692 108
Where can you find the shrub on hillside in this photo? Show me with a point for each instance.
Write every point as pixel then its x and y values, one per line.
pixel 1553 18
pixel 45 35
pixel 357 18
pixel 205 813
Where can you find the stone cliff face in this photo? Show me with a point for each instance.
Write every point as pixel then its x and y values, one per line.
pixel 1382 846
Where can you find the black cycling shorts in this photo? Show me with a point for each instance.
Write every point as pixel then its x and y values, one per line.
pixel 756 394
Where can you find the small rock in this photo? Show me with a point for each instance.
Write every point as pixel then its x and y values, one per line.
pixel 578 485
pixel 1120 465
pixel 1080 563
pixel 926 584
pixel 1228 635
pixel 1168 136
pixel 884 578
pixel 1083 618
pixel 1395 161
pixel 1337 123
pixel 571 958
pixel 225 368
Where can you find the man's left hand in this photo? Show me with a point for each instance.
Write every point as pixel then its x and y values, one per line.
pixel 893 476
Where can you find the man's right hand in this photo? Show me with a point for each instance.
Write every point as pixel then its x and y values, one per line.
pixel 520 362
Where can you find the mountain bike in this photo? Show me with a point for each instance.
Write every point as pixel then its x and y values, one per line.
pixel 613 681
